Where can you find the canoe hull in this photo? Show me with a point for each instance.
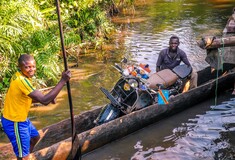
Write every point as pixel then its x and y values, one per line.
pixel 56 142
pixel 120 127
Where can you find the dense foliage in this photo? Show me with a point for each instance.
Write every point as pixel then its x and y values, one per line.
pixel 31 26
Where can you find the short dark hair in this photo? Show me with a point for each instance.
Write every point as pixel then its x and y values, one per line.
pixel 174 37
pixel 25 57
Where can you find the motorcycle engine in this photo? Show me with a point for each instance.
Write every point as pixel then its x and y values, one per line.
pixel 176 88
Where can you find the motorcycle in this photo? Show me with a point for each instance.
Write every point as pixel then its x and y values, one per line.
pixel 136 89
pixel 171 80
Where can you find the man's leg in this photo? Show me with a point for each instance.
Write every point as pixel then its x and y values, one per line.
pixel 34 136
pixel 193 80
pixel 19 137
pixel 33 142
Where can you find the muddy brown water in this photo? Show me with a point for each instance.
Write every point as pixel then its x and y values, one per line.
pixel 142 34
pixel 205 131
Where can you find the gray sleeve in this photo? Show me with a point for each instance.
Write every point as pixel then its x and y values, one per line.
pixel 160 58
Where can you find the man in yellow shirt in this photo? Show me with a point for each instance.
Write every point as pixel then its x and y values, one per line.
pixel 19 129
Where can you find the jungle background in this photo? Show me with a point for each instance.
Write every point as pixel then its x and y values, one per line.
pixel 31 26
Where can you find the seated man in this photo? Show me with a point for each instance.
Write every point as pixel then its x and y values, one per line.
pixel 172 56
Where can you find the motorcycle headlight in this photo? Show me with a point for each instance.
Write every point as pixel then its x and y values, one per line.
pixel 133 83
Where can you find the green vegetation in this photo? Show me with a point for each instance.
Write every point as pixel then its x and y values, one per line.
pixel 31 26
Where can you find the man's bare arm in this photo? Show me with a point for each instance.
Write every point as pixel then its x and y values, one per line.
pixel 38 96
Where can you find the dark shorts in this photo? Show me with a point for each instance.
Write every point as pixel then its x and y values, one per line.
pixel 19 134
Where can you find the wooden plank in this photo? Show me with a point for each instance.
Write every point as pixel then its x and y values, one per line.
pixel 230 26
pixel 215 42
pixel 220 51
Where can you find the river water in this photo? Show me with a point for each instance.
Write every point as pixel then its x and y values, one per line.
pixel 204 131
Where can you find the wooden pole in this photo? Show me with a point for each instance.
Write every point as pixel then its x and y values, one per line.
pixel 73 148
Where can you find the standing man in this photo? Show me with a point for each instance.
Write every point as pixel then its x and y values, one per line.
pixel 20 95
pixel 172 56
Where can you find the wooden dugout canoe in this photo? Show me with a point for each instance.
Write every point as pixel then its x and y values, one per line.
pixel 56 142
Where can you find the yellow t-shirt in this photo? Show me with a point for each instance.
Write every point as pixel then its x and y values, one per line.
pixel 17 102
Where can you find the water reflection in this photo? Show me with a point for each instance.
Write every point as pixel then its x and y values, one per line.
pixel 203 131
pixel 189 19
pixel 208 136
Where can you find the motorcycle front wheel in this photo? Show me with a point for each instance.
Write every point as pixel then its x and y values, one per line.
pixel 108 113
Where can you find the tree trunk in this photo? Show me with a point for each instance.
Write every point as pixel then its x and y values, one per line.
pixel 214 43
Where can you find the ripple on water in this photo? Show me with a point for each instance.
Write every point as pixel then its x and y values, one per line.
pixel 208 136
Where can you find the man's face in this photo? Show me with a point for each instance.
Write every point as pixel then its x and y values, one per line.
pixel 28 68
pixel 174 43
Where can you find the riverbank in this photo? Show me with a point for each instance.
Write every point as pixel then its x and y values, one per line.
pixel 142 43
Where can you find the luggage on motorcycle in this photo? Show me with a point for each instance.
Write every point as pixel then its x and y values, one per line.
pixel 108 113
pixel 182 70
pixel 130 93
pixel 164 78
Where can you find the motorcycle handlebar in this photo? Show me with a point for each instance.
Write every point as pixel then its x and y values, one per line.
pixel 117 67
